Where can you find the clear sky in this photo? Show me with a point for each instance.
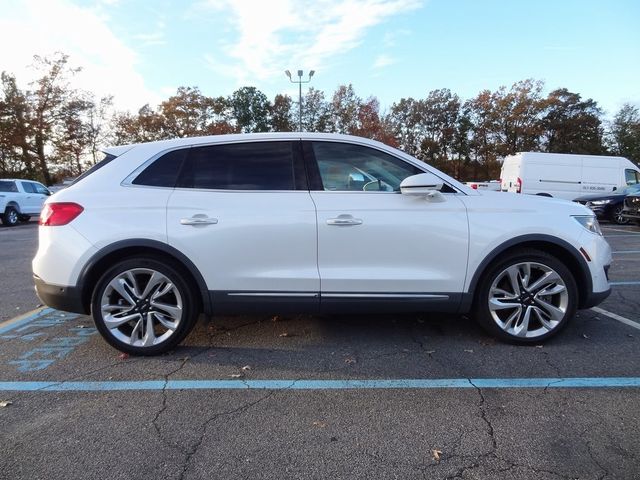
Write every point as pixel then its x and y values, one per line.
pixel 141 51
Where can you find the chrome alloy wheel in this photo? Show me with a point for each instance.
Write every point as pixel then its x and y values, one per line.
pixel 528 299
pixel 141 307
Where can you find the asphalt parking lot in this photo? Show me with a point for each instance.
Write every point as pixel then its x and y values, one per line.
pixel 426 396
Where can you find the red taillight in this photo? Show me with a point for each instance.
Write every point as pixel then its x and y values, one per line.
pixel 61 213
pixel 519 185
pixel 474 186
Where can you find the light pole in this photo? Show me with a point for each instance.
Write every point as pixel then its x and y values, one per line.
pixel 299 82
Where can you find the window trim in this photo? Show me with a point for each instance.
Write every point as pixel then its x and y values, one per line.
pixel 299 170
pixel 298 174
pixel 128 181
pixel 315 179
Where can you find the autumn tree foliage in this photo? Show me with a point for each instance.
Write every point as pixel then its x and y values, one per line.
pixel 51 129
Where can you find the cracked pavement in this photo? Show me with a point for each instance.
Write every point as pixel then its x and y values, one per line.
pixel 482 433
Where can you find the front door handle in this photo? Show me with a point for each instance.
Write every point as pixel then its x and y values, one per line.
pixel 344 220
pixel 198 220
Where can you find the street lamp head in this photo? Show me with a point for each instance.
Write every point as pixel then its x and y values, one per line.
pixel 311 73
pixel 288 74
pixel 300 73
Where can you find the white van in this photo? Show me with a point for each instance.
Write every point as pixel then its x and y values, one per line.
pixel 566 176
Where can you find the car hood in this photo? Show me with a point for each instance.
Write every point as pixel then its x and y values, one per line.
pixel 524 202
pixel 590 198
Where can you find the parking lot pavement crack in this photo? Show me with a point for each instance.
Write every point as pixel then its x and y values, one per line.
pixel 537 471
pixel 191 452
pixel 163 407
pixel 485 417
pixel 605 472
pixel 550 363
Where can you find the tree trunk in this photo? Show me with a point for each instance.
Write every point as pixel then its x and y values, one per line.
pixel 44 169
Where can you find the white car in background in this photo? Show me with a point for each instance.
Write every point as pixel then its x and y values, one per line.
pixel 490 185
pixel 299 222
pixel 20 200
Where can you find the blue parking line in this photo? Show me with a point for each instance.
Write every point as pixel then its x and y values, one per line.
pixel 12 324
pixel 401 384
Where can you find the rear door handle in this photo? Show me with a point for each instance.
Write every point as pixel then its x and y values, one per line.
pixel 198 220
pixel 344 220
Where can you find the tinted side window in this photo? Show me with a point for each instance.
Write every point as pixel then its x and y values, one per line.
pixel 28 187
pixel 345 167
pixel 240 166
pixel 163 172
pixel 107 158
pixel 8 186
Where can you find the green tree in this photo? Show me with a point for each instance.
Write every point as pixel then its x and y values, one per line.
pixel 281 114
pixel 624 137
pixel 572 125
pixel 315 112
pixel 16 157
pixel 343 110
pixel 250 108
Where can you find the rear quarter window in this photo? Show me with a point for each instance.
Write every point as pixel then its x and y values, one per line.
pixel 8 186
pixel 163 172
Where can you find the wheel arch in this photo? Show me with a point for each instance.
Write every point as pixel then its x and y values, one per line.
pixel 117 251
pixel 557 247
pixel 13 204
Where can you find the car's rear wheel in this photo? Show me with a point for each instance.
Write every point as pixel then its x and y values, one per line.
pixel 616 216
pixel 526 297
pixel 11 217
pixel 143 306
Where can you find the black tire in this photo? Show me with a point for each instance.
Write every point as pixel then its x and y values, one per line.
pixel 11 217
pixel 615 216
pixel 180 298
pixel 536 305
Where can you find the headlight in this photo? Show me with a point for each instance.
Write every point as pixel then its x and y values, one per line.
pixel 589 222
pixel 600 202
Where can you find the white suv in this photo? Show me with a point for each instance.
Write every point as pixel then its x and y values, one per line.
pixel 158 232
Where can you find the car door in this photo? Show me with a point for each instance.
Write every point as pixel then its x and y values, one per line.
pixel 243 214
pixel 375 243
pixel 28 199
pixel 40 195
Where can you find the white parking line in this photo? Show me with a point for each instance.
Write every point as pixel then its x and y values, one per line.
pixel 617 317
pixel 620 230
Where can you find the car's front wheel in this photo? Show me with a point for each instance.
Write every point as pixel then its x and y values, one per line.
pixel 526 297
pixel 616 216
pixel 143 306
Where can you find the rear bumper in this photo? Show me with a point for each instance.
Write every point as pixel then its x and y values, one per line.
pixel 68 299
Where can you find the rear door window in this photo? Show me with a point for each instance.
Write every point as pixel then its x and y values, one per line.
pixel 28 187
pixel 241 166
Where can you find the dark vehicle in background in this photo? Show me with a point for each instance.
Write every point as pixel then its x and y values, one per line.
pixel 631 209
pixel 609 206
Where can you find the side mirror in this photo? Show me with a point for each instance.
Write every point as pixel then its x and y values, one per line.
pixel 422 184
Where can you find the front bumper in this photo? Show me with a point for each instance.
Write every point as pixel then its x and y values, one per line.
pixel 594 298
pixel 68 299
